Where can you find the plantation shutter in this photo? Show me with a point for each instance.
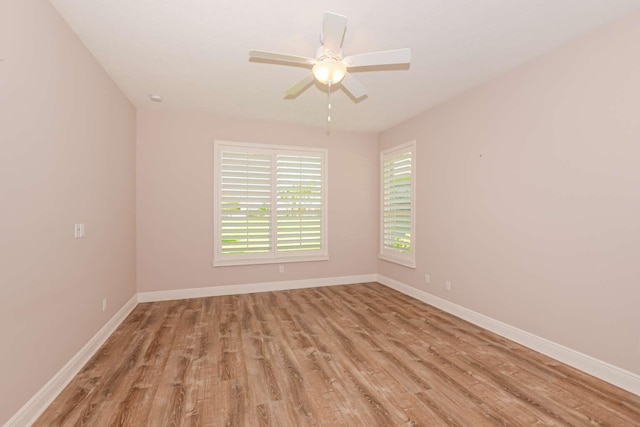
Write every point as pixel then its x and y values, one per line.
pixel 299 216
pixel 269 204
pixel 397 203
pixel 245 202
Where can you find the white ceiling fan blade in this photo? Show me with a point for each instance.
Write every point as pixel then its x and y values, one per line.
pixel 353 86
pixel 306 81
pixel 333 31
pixel 385 57
pixel 261 54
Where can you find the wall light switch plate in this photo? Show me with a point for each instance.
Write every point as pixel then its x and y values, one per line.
pixel 78 231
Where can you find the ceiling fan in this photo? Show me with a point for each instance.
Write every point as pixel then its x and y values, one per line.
pixel 329 66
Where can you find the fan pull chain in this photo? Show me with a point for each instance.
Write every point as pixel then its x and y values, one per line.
pixel 329 109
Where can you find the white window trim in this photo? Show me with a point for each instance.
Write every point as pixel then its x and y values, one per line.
pixel 408 260
pixel 219 259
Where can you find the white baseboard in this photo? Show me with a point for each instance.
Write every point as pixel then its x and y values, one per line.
pixel 598 368
pixel 215 291
pixel 30 412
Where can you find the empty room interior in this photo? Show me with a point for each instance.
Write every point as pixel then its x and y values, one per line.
pixel 320 213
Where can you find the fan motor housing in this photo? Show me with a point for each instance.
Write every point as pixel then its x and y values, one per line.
pixel 322 53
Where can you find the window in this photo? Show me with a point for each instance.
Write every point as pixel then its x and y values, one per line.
pixel 269 204
pixel 397 223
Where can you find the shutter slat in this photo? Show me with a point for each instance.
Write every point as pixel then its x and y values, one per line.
pixel 299 207
pixel 397 202
pixel 245 201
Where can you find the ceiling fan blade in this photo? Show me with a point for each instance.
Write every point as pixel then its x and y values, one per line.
pixel 261 54
pixel 353 86
pixel 333 31
pixel 385 57
pixel 296 88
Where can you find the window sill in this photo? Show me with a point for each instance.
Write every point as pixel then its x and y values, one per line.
pixel 232 262
pixel 402 261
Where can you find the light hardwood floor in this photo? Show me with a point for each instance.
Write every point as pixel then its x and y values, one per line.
pixel 358 355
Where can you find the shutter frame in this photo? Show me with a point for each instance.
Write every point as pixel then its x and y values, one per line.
pixel 397 204
pixel 303 172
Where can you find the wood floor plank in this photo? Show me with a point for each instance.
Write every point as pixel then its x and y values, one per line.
pixel 358 355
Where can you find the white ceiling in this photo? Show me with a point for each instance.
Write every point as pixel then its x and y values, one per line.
pixel 195 52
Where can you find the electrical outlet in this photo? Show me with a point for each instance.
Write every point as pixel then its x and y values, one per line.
pixel 427 279
pixel 104 304
pixel 447 285
pixel 281 268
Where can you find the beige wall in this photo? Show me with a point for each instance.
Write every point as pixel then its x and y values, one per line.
pixel 67 155
pixel 543 230
pixel 175 201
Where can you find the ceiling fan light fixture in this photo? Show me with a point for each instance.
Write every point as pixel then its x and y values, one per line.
pixel 329 70
pixel 329 64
